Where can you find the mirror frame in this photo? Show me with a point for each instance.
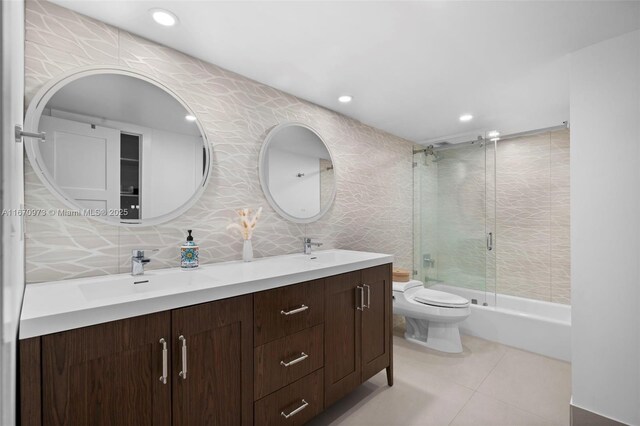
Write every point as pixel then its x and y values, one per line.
pixel 31 124
pixel 271 135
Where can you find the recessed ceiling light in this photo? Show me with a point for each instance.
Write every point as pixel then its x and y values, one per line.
pixel 466 117
pixel 164 17
pixel 493 134
pixel 345 99
pixel 190 117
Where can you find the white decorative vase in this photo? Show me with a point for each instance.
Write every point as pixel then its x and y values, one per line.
pixel 247 251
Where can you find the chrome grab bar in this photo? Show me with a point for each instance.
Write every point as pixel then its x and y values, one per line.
pixel 183 373
pixel 302 357
pixel 296 411
pixel 163 378
pixel 302 308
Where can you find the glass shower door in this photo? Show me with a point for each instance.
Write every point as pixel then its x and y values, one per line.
pixel 454 189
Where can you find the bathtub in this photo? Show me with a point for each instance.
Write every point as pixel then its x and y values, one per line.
pixel 532 325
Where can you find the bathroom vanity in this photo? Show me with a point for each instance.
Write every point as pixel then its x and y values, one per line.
pixel 274 341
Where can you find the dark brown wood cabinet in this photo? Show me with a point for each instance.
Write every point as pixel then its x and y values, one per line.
pixel 213 344
pixel 286 360
pixel 377 319
pixel 286 310
pixel 343 334
pixel 357 329
pixel 293 405
pixel 278 356
pixel 118 373
pixel 107 374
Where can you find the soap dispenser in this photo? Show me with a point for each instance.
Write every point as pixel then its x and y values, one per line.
pixel 189 253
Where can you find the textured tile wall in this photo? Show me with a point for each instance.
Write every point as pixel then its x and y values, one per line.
pixel 533 256
pixel 372 168
pixel 530 219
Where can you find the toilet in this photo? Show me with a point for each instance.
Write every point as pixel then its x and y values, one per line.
pixel 431 316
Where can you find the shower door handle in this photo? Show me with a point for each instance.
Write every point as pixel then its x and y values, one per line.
pixel 490 241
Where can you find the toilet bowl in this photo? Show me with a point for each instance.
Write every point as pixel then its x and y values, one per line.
pixel 431 316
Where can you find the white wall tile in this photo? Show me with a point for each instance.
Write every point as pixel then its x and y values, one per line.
pixel 373 171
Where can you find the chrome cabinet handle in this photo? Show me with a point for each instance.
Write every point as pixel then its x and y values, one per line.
pixel 296 411
pixel 490 241
pixel 361 290
pixel 302 308
pixel 163 378
pixel 183 373
pixel 368 305
pixel 302 357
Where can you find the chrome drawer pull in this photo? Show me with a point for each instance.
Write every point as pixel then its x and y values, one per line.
pixel 368 305
pixel 302 308
pixel 163 378
pixel 302 357
pixel 361 290
pixel 183 373
pixel 296 411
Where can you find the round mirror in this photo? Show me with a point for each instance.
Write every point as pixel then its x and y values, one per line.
pixel 119 147
pixel 296 172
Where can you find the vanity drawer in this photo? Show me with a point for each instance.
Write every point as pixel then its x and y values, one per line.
pixel 283 361
pixel 300 401
pixel 286 310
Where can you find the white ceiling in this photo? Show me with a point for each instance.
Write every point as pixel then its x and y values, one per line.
pixel 412 67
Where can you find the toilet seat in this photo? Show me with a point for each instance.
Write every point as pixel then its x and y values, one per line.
pixel 441 299
pixel 431 316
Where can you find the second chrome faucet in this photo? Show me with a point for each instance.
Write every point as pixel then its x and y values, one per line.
pixel 308 243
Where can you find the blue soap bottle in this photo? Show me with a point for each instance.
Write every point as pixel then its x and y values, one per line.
pixel 189 253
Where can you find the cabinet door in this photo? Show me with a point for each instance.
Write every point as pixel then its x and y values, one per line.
pixel 342 335
pixel 217 351
pixel 376 320
pixel 107 374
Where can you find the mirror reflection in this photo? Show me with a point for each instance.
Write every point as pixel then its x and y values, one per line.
pixel 296 172
pixel 121 144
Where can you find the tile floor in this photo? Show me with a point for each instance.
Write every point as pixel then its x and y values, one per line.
pixel 489 384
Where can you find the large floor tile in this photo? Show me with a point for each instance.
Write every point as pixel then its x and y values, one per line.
pixel 534 383
pixel 482 410
pixel 468 369
pixel 414 399
pixel 432 388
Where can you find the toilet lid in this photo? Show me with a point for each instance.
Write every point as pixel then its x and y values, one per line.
pixel 440 298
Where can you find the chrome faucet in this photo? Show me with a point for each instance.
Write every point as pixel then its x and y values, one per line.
pixel 308 243
pixel 138 261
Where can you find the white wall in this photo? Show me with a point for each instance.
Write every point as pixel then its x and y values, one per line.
pixel 12 248
pixel 605 223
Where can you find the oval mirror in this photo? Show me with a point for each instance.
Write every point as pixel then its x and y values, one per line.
pixel 296 172
pixel 119 147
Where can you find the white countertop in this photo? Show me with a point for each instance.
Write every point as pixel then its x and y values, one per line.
pixel 55 306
